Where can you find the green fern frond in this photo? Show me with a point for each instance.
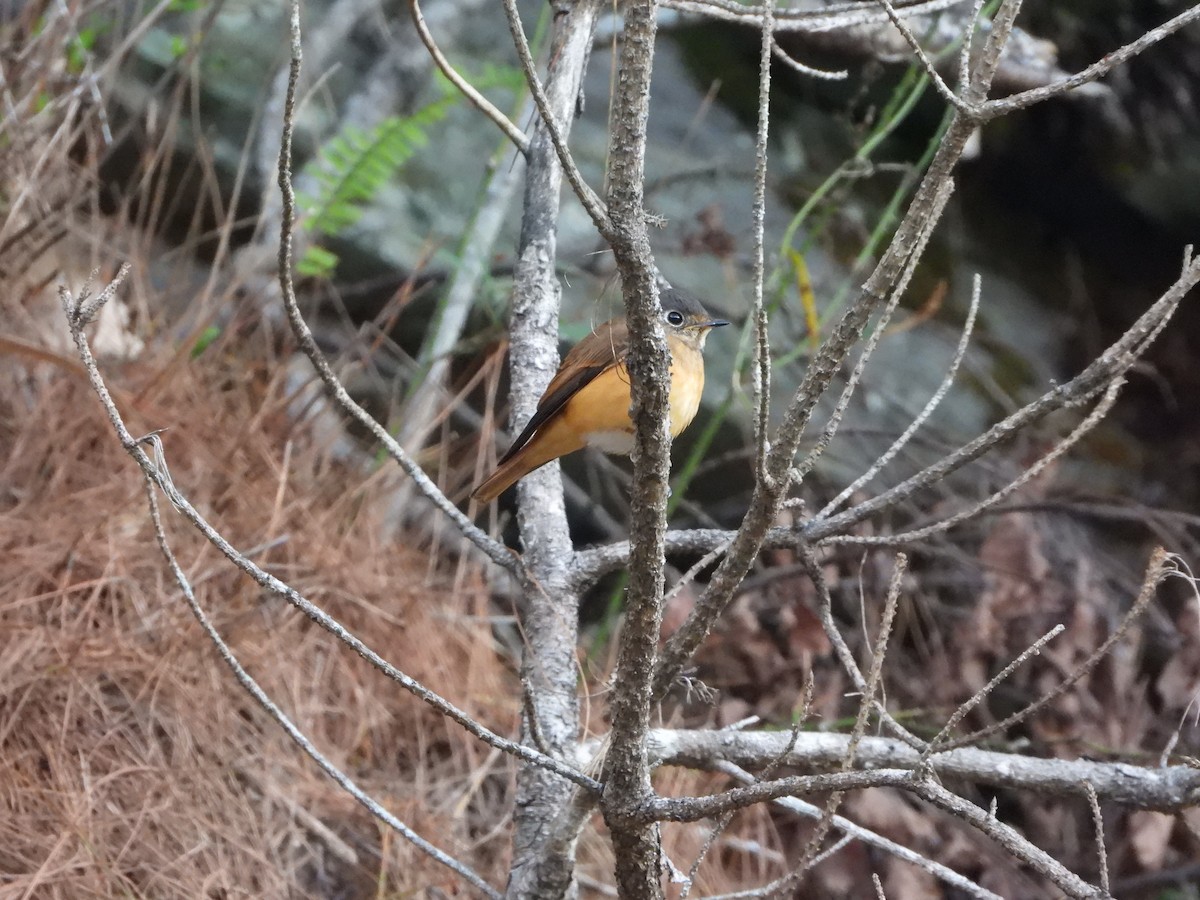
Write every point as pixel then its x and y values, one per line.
pixel 317 262
pixel 355 164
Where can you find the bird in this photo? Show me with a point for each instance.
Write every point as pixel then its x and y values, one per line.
pixel 587 402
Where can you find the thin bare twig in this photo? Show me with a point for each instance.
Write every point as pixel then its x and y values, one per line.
pixel 480 102
pixel 840 648
pixel 1161 565
pixel 901 442
pixel 1094 418
pixel 793 63
pixel 592 203
pixel 878 653
pixel 494 550
pixel 936 207
pixel 692 809
pixel 775 887
pixel 870 838
pixel 697 567
pixel 968 40
pixel 476 250
pixel 930 69
pixel 723 822
pixel 531 716
pixel 79 312
pixel 865 705
pixel 1098 821
pixel 978 697
pixel 976 86
pixel 1182 570
pixel 298 737
pixel 762 344
pixel 1007 837
pixel 1094 72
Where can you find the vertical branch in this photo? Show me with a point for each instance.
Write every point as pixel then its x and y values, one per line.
pixel 540 866
pixel 980 79
pixel 762 347
pixel 626 771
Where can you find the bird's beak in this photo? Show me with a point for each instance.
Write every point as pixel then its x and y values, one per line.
pixel 712 323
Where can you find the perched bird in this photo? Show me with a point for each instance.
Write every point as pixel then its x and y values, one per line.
pixel 587 401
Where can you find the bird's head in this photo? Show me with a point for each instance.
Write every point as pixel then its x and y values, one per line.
pixel 684 316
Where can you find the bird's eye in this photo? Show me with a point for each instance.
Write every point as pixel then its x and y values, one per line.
pixel 675 317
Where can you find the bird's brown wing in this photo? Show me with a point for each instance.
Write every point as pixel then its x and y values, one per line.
pixel 600 350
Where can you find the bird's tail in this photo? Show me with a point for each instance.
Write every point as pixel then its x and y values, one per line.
pixel 505 476
pixel 553 440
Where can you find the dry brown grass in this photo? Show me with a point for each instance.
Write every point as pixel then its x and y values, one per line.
pixel 130 763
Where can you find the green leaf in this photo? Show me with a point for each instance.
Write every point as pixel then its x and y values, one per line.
pixel 204 341
pixel 317 262
pixel 352 167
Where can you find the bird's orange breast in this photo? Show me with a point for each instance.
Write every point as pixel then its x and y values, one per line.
pixel 687 384
pixel 599 412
